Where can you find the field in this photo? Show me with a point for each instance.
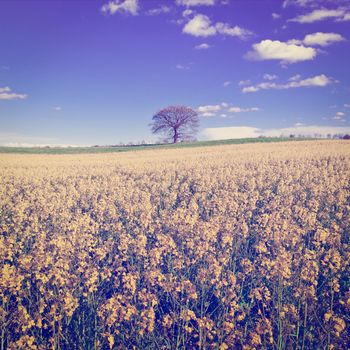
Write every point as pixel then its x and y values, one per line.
pixel 141 147
pixel 222 247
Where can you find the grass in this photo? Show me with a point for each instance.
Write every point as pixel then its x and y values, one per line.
pixel 113 149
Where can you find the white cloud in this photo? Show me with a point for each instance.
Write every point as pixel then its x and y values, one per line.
pixel 294 42
pixel 278 50
pixel 207 114
pixel 226 83
pixel 322 39
pixel 236 132
pixel 339 116
pixel 345 18
pixel 295 77
pixel 317 81
pixel 126 6
pixel 225 29
pixel 5 89
pixel 182 67
pixel 275 15
pixel 270 77
pixel 203 46
pixel 7 94
pixel 298 124
pixel 209 109
pixel 187 13
pixel 57 108
pixel 340 14
pixel 224 107
pixel 301 3
pixel 158 10
pixel 235 109
pixel 319 38
pixel 201 26
pixel 240 110
pixel 251 89
pixel 195 2
pixel 346 105
pixel 244 82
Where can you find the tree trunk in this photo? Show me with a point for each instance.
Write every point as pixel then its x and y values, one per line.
pixel 176 136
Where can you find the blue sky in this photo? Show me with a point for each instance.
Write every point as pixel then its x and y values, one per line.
pixel 94 72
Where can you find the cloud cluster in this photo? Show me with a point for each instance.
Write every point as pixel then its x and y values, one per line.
pixel 339 116
pixel 287 3
pixel 240 110
pixel 208 110
pixel 198 25
pixel 340 14
pixel 201 26
pixel 322 39
pixel 158 10
pixel 190 3
pixel 124 6
pixel 318 39
pixel 302 3
pixel 294 82
pixel 225 109
pixel 203 46
pixel 182 67
pixel 270 76
pixel 7 94
pixel 293 50
pixel 244 82
pixel 282 51
pixel 313 3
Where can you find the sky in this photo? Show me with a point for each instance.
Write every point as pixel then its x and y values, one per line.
pixel 86 72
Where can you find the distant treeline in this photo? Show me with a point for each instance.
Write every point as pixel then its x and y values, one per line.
pixel 283 137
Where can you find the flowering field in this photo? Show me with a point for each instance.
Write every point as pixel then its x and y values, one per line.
pixel 227 247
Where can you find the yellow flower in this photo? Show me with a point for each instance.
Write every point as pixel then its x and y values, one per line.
pixel 110 341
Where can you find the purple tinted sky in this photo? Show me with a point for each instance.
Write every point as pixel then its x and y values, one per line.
pixel 94 72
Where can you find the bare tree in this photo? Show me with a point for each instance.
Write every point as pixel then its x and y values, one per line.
pixel 177 123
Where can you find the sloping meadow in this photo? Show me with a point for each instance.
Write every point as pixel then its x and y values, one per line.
pixel 226 247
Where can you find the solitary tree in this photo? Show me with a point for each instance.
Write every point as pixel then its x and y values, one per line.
pixel 177 123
